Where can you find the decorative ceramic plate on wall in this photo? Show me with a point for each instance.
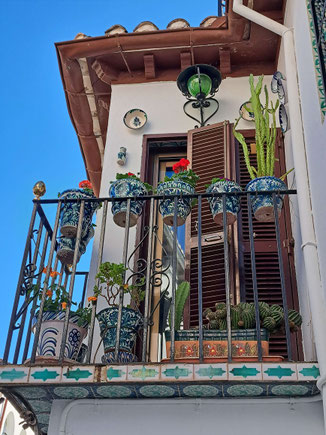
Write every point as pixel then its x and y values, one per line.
pixel 247 116
pixel 277 77
pixel 283 118
pixel 135 119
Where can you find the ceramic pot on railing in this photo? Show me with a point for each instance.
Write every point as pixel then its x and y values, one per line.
pixel 124 188
pixel 166 206
pixel 66 247
pixel 69 214
pixel 262 204
pixel 51 335
pixel 232 202
pixel 131 322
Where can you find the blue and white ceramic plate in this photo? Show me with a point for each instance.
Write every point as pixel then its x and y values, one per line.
pixel 277 76
pixel 135 119
pixel 280 91
pixel 247 116
pixel 283 118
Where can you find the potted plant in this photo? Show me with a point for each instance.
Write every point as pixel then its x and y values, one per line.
pixel 232 203
pixel 243 332
pixel 126 185
pixel 53 318
pixel 66 247
pixel 262 177
pixel 182 182
pixel 69 213
pixel 111 282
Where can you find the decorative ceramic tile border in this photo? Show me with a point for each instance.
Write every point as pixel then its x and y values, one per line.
pixel 319 77
pixel 146 373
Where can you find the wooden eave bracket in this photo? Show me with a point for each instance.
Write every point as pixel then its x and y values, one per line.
pixel 225 61
pixel 185 59
pixel 149 65
pixel 104 72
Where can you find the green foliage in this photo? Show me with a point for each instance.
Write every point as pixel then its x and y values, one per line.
pixel 265 123
pixel 187 176
pixel 181 295
pixel 111 277
pixel 129 175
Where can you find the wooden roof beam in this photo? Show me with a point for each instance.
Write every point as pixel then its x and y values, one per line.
pixel 149 65
pixel 225 61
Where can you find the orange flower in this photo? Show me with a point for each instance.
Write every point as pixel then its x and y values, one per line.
pixel 54 273
pixel 44 269
pixel 92 299
pixel 49 293
pixel 64 305
pixel 125 286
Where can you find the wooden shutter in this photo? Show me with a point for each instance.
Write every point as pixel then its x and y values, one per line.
pixel 209 154
pixel 268 275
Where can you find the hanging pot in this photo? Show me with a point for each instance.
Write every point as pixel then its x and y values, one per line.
pixel 51 335
pixel 232 203
pixel 166 206
pixel 131 322
pixel 262 204
pixel 69 214
pixel 124 188
pixel 66 247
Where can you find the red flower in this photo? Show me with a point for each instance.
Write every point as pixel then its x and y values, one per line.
pixel 85 184
pixel 180 166
pixel 130 174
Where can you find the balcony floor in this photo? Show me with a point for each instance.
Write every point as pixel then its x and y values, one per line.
pixel 38 386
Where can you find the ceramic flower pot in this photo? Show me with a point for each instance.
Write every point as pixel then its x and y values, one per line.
pixel 124 188
pixel 232 202
pixel 51 335
pixel 131 322
pixel 69 214
pixel 215 345
pixel 262 205
pixel 166 206
pixel 66 247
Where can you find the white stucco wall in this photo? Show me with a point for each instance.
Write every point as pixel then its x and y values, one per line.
pixel 190 416
pixel 11 422
pixel 163 103
pixel 315 139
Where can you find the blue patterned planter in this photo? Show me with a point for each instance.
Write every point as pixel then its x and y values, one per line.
pixel 51 335
pixel 232 202
pixel 123 357
pixel 166 206
pixel 69 214
pixel 262 205
pixel 123 188
pixel 131 322
pixel 66 247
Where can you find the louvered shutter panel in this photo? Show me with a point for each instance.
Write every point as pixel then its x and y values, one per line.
pixel 209 156
pixel 268 274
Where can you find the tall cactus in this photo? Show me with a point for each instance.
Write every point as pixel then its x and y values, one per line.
pixel 265 132
pixel 181 295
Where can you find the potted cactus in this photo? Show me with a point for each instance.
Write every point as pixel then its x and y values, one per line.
pixel 243 332
pixel 111 281
pixel 232 203
pixel 127 185
pixel 182 182
pixel 262 177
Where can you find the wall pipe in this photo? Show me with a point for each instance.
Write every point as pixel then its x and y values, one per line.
pixel 309 245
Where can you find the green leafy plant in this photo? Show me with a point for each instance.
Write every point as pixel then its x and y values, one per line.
pixel 181 173
pixel 111 280
pixel 181 295
pixel 130 175
pixel 216 180
pixel 265 123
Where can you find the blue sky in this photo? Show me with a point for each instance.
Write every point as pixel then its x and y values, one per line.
pixel 38 141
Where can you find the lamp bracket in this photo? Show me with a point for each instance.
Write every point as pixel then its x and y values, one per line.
pixel 200 105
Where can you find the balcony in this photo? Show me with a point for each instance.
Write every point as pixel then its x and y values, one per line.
pixel 156 257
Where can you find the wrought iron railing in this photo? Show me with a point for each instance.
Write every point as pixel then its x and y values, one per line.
pixel 40 258
pixel 222 6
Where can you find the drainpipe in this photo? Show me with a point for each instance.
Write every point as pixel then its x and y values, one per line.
pixel 309 245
